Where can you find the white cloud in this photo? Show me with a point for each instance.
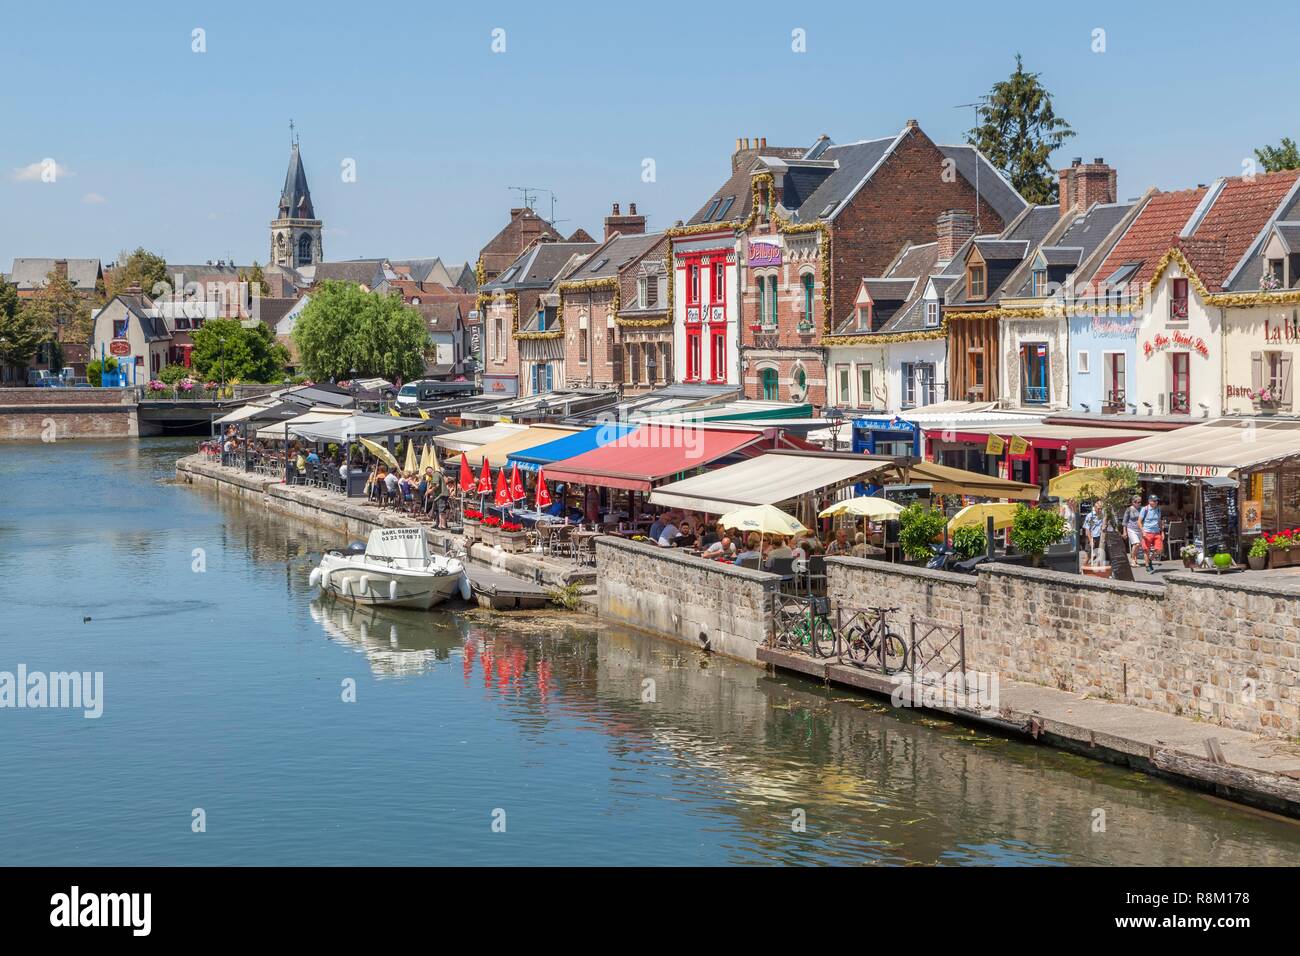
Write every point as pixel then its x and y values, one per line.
pixel 40 172
pixel 93 199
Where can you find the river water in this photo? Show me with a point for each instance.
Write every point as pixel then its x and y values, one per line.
pixel 473 738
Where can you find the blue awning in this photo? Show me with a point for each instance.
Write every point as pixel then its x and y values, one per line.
pixel 570 446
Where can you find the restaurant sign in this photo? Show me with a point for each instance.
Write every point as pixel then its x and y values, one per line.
pixel 994 445
pixel 1156 469
pixel 1159 342
pixel 1018 445
pixel 119 347
pixel 764 254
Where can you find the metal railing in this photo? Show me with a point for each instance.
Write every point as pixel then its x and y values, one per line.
pixel 1034 395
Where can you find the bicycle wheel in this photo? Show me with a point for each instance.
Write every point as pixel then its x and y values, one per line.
pixel 856 644
pixel 895 651
pixel 823 638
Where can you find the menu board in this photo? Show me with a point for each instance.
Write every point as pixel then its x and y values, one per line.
pixel 1117 555
pixel 1222 522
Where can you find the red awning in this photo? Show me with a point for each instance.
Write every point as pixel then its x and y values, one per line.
pixel 654 453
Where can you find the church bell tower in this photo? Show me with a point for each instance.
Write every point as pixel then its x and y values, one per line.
pixel 295 231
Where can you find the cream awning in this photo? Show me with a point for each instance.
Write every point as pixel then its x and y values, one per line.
pixel 946 480
pixel 320 414
pixel 244 412
pixel 765 480
pixel 476 437
pixel 1213 449
pixel 497 451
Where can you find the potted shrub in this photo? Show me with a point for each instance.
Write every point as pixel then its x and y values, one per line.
pixel 1257 557
pixel 512 537
pixel 1034 529
pixel 470 524
pixel 1189 554
pixel 919 528
pixel 969 542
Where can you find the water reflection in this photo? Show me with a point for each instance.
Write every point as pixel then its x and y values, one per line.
pixel 396 642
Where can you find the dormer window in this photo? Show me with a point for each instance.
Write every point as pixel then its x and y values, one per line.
pixel 1039 285
pixel 864 317
pixel 975 282
pixel 932 315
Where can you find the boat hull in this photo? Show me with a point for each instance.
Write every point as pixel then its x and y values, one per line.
pixel 369 583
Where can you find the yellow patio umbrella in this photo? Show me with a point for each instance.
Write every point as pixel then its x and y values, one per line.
pixel 380 452
pixel 411 463
pixel 765 519
pixel 1070 484
pixel 977 516
pixel 427 459
pixel 864 506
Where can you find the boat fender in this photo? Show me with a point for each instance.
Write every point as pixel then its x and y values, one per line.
pixel 347 587
pixel 465 590
pixel 314 578
pixel 392 590
pixel 365 584
pixel 324 580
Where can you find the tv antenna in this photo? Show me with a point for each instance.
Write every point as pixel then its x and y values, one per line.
pixel 976 106
pixel 529 196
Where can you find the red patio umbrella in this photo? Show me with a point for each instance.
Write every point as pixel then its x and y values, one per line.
pixel 466 475
pixel 543 496
pixel 503 492
pixel 485 478
pixel 517 492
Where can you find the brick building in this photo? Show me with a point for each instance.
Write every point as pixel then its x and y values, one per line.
pixel 779 251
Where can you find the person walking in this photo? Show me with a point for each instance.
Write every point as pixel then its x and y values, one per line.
pixel 1133 528
pixel 1151 519
pixel 1096 525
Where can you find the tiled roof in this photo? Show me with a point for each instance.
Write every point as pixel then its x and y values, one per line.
pixel 609 258
pixel 1290 233
pixel 1152 233
pixel 29 274
pixel 366 272
pixel 1232 224
pixel 1061 255
pixel 889 290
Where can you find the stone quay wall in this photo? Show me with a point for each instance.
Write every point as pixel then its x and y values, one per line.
pixel 1221 649
pixel 54 414
pixel 686 598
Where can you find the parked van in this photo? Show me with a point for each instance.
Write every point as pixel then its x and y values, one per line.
pixel 430 390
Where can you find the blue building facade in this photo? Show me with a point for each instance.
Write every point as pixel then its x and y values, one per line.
pixel 1103 362
pixel 886 436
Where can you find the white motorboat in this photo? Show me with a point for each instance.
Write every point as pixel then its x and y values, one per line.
pixel 395 570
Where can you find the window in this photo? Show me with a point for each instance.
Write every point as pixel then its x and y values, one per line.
pixel 771 300
pixel 1114 380
pixel 120 327
pixel 1180 373
pixel 771 388
pixel 710 210
pixel 499 340
pixel 1039 284
pixel 932 315
pixel 918 384
pixel 609 340
pixel 975 282
pixel 843 382
pixel 719 283
pixel 798 382
pixel 975 372
pixel 866 397
pixel 864 317
pixel 1084 362
pixel 718 355
pixel 723 209
pixel 541 320
pixel 584 339
pixel 634 364
pixel 1271 378
pixel 693 284
pixel 1033 373
pixel 648 291
pixel 1178 300
pixel 304 249
pixel 762 299
pixel 808 296
pixel 693 346
pixel 599 264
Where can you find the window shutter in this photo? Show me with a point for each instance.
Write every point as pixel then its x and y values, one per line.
pixel 1285 373
pixel 1256 371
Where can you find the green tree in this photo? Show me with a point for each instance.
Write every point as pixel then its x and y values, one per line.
pixel 62 310
pixel 225 350
pixel 1274 159
pixel 140 268
pixel 344 327
pixel 918 528
pixel 95 371
pixel 1019 131
pixel 257 280
pixel 21 332
pixel 1033 530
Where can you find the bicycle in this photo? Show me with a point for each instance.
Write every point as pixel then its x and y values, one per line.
pixel 877 639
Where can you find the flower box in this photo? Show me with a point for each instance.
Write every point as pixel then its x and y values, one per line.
pixel 512 542
pixel 1283 557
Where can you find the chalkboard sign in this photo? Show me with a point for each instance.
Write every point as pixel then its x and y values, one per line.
pixel 1222 523
pixel 1117 555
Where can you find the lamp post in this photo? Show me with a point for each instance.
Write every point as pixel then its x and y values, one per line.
pixel 835 419
pixel 650 366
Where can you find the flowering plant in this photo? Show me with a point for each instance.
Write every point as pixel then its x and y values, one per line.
pixel 1289 538
pixel 1270 282
pixel 1263 395
pixel 186 384
pixel 1258 548
pixel 209 385
pixel 472 514
pixel 511 526
pixel 492 521
pixel 157 386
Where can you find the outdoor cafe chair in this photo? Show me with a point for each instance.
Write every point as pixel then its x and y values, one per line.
pixel 1176 533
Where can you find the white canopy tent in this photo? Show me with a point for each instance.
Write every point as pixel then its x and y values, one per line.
pixel 471 438
pixel 765 480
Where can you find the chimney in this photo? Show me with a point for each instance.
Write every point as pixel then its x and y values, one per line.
pixel 61 268
pixel 745 151
pixel 629 225
pixel 1083 184
pixel 954 226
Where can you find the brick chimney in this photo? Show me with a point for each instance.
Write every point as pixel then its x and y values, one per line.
pixel 1082 184
pixel 746 150
pixel 953 227
pixel 61 268
pixel 625 225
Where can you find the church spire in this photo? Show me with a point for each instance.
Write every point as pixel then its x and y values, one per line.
pixel 296 232
pixel 295 199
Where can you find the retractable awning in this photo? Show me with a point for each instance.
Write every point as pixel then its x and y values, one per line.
pixel 570 446
pixel 763 480
pixel 350 427
pixel 470 438
pixel 1213 449
pixel 313 417
pixel 653 453
pixel 532 435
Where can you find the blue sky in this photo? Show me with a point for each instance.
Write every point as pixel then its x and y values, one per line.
pixel 185 153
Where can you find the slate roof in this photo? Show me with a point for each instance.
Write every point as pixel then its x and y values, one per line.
pixel 367 272
pixel 889 290
pixel 295 198
pixel 154 328
pixel 1069 256
pixel 538 267
pixel 29 274
pixel 609 258
pixel 1290 234
pixel 1016 243
pixel 913 267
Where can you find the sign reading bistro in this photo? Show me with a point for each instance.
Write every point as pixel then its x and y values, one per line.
pixel 119 347
pixel 1168 468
